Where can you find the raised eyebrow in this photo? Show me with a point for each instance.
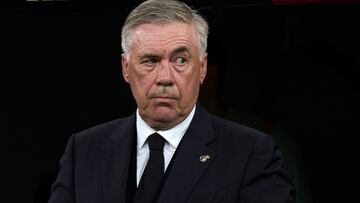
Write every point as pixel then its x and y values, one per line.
pixel 149 56
pixel 179 50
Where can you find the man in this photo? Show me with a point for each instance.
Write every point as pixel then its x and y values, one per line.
pixel 170 149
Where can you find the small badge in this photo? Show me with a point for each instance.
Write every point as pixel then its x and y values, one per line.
pixel 204 158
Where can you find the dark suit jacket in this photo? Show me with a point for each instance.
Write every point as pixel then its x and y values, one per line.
pixel 244 165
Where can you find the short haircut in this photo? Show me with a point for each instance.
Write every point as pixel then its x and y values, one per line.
pixel 163 12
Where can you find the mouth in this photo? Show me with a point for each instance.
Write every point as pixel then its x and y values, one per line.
pixel 163 98
pixel 163 101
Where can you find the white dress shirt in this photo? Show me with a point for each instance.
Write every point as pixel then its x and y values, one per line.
pixel 172 136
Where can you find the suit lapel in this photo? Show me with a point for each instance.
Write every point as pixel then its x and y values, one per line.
pixel 115 164
pixel 193 157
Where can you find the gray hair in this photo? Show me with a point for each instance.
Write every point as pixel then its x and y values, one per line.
pixel 163 12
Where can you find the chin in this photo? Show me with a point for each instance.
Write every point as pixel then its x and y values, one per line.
pixel 164 114
pixel 164 117
pixel 164 111
pixel 162 122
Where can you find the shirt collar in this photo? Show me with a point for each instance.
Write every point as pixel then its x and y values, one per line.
pixel 172 136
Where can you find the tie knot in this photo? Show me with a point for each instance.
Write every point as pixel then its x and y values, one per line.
pixel 156 142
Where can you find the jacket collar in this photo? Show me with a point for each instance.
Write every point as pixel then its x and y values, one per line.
pixel 115 164
pixel 193 157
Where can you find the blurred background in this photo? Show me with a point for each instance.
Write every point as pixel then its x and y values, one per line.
pixel 287 68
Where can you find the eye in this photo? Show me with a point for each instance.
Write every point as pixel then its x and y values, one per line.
pixel 180 61
pixel 149 61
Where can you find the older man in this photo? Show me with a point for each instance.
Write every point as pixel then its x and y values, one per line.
pixel 170 150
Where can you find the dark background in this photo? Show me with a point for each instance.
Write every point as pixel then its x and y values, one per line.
pixel 288 70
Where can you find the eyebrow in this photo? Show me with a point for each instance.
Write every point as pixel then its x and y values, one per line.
pixel 147 56
pixel 179 50
pixel 174 52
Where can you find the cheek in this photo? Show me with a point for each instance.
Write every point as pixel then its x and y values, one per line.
pixel 188 87
pixel 140 84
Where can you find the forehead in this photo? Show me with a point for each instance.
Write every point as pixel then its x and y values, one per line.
pixel 167 36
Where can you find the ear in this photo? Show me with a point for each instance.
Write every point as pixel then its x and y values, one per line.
pixel 125 67
pixel 203 68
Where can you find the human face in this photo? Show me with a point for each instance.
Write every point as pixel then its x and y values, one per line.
pixel 165 71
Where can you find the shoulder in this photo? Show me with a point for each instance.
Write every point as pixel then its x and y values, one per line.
pixel 230 127
pixel 237 134
pixel 103 132
pixel 104 128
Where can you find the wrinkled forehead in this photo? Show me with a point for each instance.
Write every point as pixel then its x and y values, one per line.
pixel 164 36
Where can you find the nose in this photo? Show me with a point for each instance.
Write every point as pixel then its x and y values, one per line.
pixel 164 75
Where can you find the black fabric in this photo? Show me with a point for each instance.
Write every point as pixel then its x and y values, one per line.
pixel 154 171
pixel 233 151
pixel 131 183
pixel 166 174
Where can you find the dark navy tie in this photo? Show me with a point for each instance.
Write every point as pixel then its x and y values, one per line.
pixel 154 171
